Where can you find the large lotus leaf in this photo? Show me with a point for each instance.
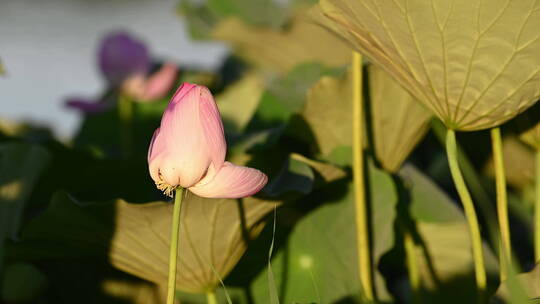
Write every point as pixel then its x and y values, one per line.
pixel 282 50
pixel 318 263
pixel 136 236
pixel 399 120
pixel 518 163
pixel 328 112
pixel 443 248
pixel 474 64
pixel 238 102
pixel 20 167
pixel 529 283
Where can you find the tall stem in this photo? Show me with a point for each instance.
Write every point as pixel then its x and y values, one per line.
pixel 211 297
pixel 125 112
pixel 362 232
pixel 502 203
pixel 537 208
pixel 171 287
pixel 472 179
pixel 470 213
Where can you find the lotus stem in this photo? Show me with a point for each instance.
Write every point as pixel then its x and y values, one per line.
pixel 125 113
pixel 537 208
pixel 362 232
pixel 502 203
pixel 211 297
pixel 412 265
pixel 477 190
pixel 470 213
pixel 173 256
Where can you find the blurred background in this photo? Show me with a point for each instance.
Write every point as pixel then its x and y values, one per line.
pixel 83 86
pixel 49 51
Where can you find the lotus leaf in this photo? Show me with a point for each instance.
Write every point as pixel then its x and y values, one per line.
pixel 475 65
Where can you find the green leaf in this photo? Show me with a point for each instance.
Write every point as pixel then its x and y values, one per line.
pixel 102 133
pixel 20 167
pixel 443 53
pixel 519 163
pixel 328 112
pixel 238 102
pixel 428 202
pixel 302 175
pixel 213 235
pixel 399 120
pixel 255 12
pixel 286 96
pixel 282 50
pixel 22 283
pixel 442 242
pixel 318 263
pixel 516 289
pixel 199 20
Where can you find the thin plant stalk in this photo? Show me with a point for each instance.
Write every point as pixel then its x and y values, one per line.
pixel 173 256
pixel 412 265
pixel 502 202
pixel 125 113
pixel 477 190
pixel 537 208
pixel 362 232
pixel 470 213
pixel 211 297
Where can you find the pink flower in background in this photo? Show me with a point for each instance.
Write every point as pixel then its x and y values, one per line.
pixel 188 150
pixel 125 63
pixel 156 86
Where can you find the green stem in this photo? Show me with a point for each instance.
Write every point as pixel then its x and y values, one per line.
pixel 125 112
pixel 211 297
pixel 412 265
pixel 470 213
pixel 537 208
pixel 362 232
pixel 502 202
pixel 477 190
pixel 173 256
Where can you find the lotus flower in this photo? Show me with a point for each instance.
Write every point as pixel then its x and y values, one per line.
pixel 125 63
pixel 188 150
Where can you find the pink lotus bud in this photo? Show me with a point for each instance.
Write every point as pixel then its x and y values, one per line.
pixel 188 150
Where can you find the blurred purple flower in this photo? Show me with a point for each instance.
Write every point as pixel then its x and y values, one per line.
pixel 121 56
